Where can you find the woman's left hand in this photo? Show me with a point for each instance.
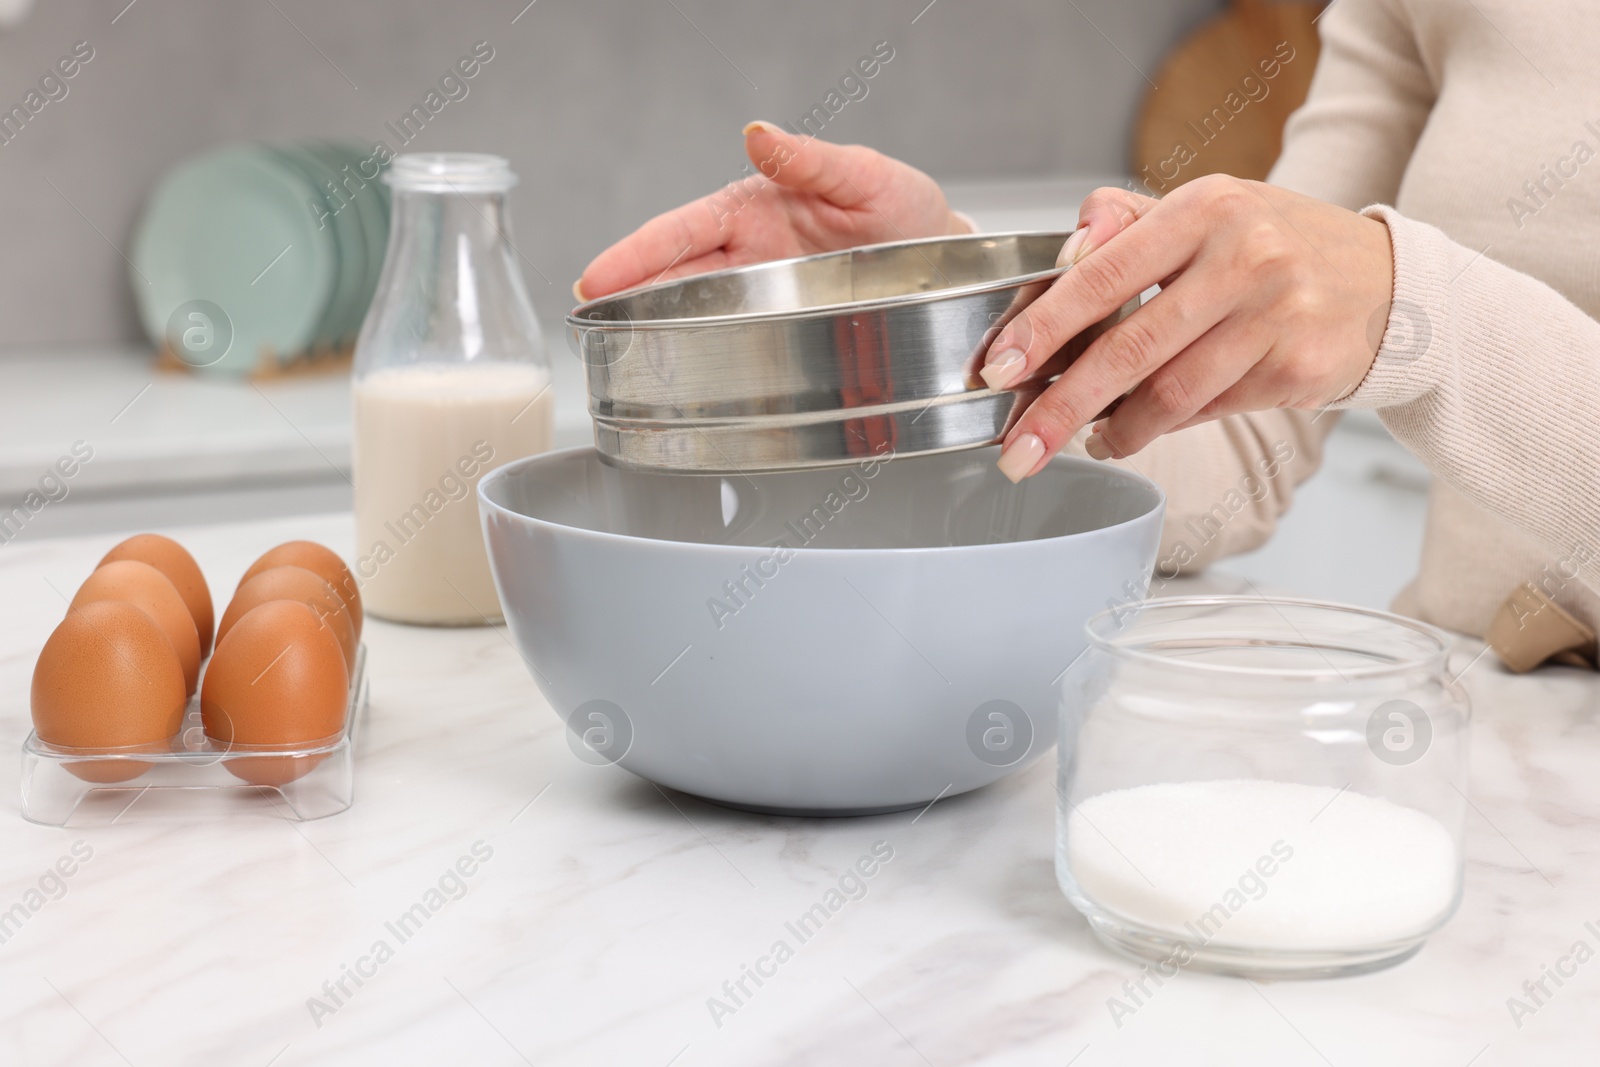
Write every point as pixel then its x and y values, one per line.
pixel 1269 299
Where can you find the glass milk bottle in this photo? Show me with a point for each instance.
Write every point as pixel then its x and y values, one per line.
pixel 450 381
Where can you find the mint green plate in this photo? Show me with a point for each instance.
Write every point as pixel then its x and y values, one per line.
pixel 372 205
pixel 344 316
pixel 234 228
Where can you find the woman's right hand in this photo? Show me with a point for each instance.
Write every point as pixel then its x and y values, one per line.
pixel 808 196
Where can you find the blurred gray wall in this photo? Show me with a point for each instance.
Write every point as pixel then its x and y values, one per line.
pixel 610 110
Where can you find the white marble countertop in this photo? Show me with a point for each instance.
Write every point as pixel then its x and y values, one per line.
pixel 602 913
pixel 150 427
pixel 156 430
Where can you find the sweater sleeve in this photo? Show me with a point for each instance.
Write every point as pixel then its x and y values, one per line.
pixel 1228 482
pixel 1493 379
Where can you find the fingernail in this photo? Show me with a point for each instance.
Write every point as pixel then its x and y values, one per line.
pixel 577 290
pixel 1021 456
pixel 1076 248
pixel 1097 447
pixel 762 126
pixel 1002 368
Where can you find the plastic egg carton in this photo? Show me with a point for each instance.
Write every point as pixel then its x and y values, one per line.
pixel 194 770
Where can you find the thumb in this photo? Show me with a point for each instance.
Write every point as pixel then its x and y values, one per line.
pixel 844 175
pixel 1104 213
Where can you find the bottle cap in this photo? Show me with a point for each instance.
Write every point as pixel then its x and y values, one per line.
pixel 451 172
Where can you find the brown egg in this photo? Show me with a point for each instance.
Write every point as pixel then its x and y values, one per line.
pixel 294 583
pixel 319 560
pixel 277 678
pixel 148 590
pixel 107 678
pixel 171 559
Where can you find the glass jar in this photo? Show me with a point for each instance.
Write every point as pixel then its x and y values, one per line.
pixel 450 380
pixel 1269 788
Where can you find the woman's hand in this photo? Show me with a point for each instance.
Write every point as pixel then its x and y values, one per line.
pixel 1269 299
pixel 808 196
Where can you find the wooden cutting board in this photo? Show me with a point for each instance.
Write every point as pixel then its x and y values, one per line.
pixel 1222 96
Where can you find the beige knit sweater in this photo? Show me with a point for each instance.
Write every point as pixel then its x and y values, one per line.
pixel 1479 121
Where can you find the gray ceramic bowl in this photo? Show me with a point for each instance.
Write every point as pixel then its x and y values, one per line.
pixel 823 642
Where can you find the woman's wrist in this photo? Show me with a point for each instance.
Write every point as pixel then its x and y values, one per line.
pixel 1425 266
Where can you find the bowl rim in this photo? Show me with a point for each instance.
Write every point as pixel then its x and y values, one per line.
pixel 578 323
pixel 1434 658
pixel 1157 509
